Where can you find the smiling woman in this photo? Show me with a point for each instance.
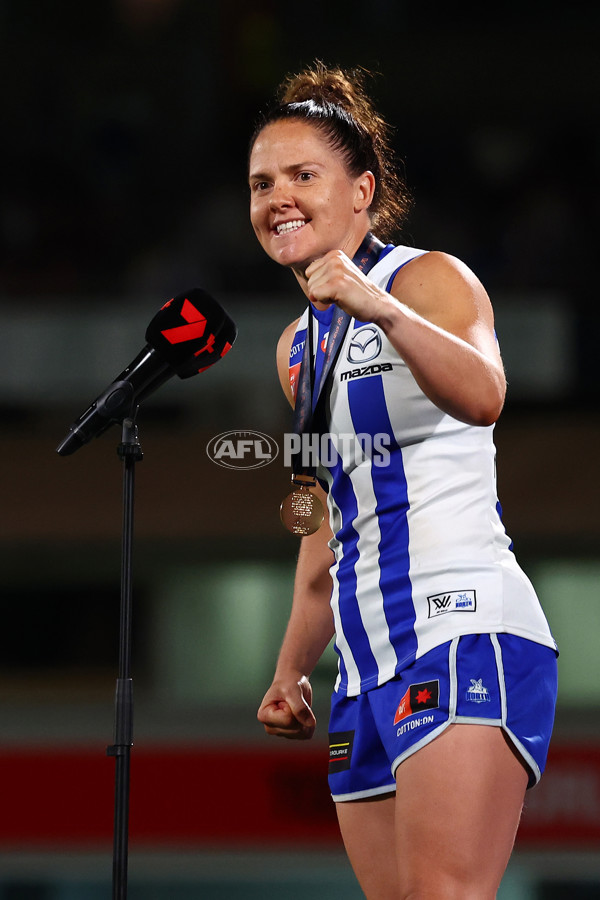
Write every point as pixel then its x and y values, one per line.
pixel 413 573
pixel 305 155
pixel 303 201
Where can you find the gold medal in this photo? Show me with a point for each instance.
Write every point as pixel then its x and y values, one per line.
pixel 301 511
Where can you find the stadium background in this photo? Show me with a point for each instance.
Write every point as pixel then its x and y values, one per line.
pixel 125 126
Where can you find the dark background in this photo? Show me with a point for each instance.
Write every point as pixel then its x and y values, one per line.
pixel 125 127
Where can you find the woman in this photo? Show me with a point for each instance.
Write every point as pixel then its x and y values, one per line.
pixel 444 702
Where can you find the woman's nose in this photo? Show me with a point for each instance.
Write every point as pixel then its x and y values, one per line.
pixel 281 196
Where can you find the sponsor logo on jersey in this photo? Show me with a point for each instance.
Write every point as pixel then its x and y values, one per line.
pixel 340 750
pixel 296 360
pixel 453 601
pixel 242 449
pixel 478 693
pixel 298 346
pixel 373 369
pixel 365 345
pixel 418 697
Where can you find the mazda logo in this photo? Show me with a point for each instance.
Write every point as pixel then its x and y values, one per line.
pixel 365 345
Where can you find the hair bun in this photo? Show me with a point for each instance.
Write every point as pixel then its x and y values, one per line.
pixel 329 85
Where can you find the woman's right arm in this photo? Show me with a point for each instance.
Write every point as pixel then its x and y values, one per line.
pixel 286 708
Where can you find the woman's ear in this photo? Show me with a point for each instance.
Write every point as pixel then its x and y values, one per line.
pixel 365 188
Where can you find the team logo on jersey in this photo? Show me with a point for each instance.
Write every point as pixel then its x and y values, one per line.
pixel 365 345
pixel 418 697
pixel 340 750
pixel 478 693
pixel 453 601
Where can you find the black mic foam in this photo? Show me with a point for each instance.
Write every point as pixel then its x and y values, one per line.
pixel 187 336
pixel 191 332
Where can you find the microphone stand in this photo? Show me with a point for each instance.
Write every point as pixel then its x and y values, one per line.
pixel 130 452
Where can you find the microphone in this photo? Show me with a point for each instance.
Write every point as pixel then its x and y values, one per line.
pixel 188 335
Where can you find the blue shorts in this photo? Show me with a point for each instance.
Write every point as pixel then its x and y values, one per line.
pixel 481 679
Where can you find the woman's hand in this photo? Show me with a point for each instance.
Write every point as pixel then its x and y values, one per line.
pixel 335 279
pixel 286 709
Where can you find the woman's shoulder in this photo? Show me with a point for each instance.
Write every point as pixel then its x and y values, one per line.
pixel 443 289
pixel 407 262
pixel 287 336
pixel 438 267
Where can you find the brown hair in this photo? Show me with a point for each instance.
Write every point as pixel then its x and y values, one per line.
pixel 336 102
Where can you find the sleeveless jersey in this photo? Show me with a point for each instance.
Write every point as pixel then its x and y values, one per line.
pixel 420 552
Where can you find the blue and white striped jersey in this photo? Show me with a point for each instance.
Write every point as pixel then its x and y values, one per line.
pixel 421 555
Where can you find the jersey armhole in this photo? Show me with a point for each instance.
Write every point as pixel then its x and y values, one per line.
pixel 388 287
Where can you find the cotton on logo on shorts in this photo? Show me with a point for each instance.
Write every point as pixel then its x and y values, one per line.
pixel 425 695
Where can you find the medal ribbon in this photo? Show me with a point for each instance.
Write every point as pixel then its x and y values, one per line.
pixel 309 409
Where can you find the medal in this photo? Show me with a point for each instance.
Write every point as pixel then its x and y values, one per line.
pixel 301 511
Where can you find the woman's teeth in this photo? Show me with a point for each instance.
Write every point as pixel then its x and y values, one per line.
pixel 286 227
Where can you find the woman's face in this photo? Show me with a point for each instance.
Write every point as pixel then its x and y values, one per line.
pixel 303 203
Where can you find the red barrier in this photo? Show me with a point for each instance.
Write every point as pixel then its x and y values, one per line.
pixel 179 796
pixel 240 796
pixel 564 809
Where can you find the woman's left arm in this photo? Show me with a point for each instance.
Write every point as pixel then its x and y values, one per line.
pixel 438 317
